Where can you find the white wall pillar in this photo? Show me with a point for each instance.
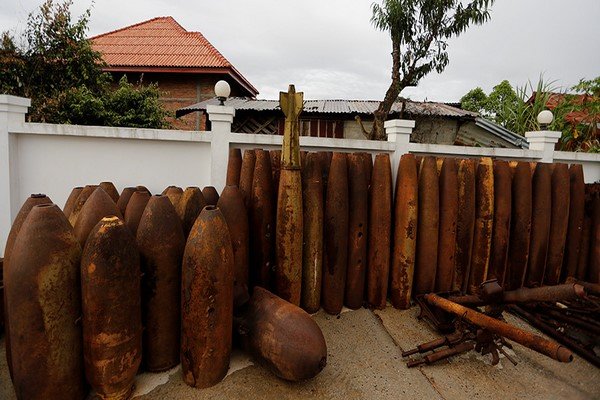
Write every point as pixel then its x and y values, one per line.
pixel 221 118
pixel 545 142
pixel 398 132
pixel 12 115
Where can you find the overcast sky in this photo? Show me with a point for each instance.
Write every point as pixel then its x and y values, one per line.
pixel 330 50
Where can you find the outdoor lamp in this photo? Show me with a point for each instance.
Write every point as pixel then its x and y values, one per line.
pixel 545 118
pixel 222 91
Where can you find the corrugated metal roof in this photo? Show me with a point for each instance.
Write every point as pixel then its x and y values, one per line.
pixel 501 132
pixel 161 42
pixel 338 107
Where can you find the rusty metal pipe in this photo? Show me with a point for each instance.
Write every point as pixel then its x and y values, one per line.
pixel 527 295
pixel 527 339
pixel 442 354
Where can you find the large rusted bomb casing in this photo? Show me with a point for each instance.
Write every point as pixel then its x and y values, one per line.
pixel 70 203
pixel 262 223
pixel 81 199
pixel 406 211
pixel 575 226
pixel 97 206
pixel 502 214
pixel 231 204
pixel 143 188
pixel 312 256
pixel 211 196
pixel 276 171
pixel 584 253
pixel 247 176
pixel 160 240
pixel 135 209
pixel 335 236
pixel 444 276
pixel 427 227
pixel 484 220
pixel 32 201
pixel 234 167
pixel 189 206
pixel 43 300
pixel 282 337
pixel 540 225
pixel 380 232
pixel 368 161
pixel 288 236
pixel 110 190
pixel 207 300
pixel 112 322
pixel 520 226
pixel 124 199
pixel 593 272
pixel 559 222
pixel 325 157
pixel 465 223
pixel 358 202
pixel 174 194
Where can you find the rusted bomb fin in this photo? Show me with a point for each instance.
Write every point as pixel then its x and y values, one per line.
pixel 288 234
pixel 525 295
pixel 527 339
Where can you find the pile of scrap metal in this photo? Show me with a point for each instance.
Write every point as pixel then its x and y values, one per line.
pixel 568 313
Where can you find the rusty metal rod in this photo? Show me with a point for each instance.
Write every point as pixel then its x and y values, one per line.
pixel 567 291
pixel 592 288
pixel 434 344
pixel 548 330
pixel 527 339
pixel 442 354
pixel 571 320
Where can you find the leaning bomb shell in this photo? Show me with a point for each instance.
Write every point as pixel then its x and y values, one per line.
pixel 97 206
pixel 189 207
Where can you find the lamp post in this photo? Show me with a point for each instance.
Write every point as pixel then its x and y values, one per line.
pixel 222 91
pixel 545 118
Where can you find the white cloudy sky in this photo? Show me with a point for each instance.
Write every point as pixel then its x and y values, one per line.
pixel 329 48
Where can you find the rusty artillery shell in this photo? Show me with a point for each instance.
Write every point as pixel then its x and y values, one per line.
pixel 358 202
pixel 465 223
pixel 231 204
pixel 540 225
pixel 124 199
pixel 160 240
pixel 135 209
pixel 189 206
pixel 520 226
pixel 444 276
pixel 70 203
pixel 234 167
pixel 276 170
pixel 368 160
pixel 559 222
pixel 405 232
pixel 32 201
pixel 501 228
pixel 584 253
pixel 593 272
pixel 312 256
pixel 575 225
pixel 207 300
pixel 174 194
pixel 81 199
pixel 97 206
pixel 380 231
pixel 43 302
pixel 247 176
pixel 110 190
pixel 484 219
pixel 262 223
pixel 427 227
pixel 335 235
pixel 211 196
pixel 112 322
pixel 282 337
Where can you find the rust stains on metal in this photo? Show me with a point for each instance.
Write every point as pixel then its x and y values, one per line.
pixel 276 171
pixel 405 232
pixel 160 240
pixel 97 206
pixel 207 300
pixel 135 209
pixel 43 301
pixel 211 196
pixel 502 215
pixel 335 241
pixel 189 207
pixel 444 276
pixel 234 167
pixel 81 199
pixel 465 223
pixel 559 222
pixel 358 202
pixel 575 226
pixel 247 176
pixel 282 337
pixel 112 323
pixel 174 194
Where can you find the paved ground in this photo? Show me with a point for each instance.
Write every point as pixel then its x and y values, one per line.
pixel 364 362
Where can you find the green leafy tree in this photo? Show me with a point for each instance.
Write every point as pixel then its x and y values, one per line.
pixel 500 102
pixel 419 30
pixel 61 73
pixel 475 100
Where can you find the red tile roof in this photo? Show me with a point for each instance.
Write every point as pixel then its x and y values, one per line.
pixel 162 43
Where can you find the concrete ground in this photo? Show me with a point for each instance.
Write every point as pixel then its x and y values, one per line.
pixel 364 362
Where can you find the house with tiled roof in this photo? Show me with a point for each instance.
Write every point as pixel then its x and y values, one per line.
pixel 184 64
